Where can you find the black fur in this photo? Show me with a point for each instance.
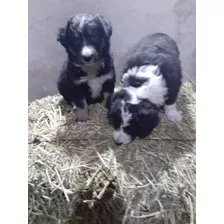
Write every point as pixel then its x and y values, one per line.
pixel 145 118
pixel 145 115
pixel 159 49
pixel 85 30
pixel 75 94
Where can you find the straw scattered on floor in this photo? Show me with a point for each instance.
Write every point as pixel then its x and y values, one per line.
pixel 78 175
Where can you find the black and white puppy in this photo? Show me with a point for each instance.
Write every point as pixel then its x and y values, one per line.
pixel 151 78
pixel 88 75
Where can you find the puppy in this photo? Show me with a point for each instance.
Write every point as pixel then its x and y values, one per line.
pixel 88 75
pixel 151 78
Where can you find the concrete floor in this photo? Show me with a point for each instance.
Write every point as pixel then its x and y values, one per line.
pixel 131 20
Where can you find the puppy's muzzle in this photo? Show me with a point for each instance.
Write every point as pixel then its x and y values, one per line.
pixel 87 58
pixel 87 53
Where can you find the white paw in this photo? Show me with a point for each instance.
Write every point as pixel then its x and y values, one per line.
pixel 82 122
pixel 74 107
pixel 174 115
pixel 58 100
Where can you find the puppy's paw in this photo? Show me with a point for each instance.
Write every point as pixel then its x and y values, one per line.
pixel 174 115
pixel 58 100
pixel 82 122
pixel 82 115
pixel 74 107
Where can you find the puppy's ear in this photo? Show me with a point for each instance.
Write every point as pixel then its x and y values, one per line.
pixel 114 101
pixel 147 116
pixel 113 104
pixel 106 26
pixel 148 120
pixel 62 36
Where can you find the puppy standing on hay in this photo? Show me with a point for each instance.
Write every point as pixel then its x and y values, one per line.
pixel 88 76
pixel 151 78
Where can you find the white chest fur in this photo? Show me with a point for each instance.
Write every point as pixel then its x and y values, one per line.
pixel 95 87
pixel 96 84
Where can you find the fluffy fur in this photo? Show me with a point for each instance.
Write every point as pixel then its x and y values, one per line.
pixel 151 78
pixel 88 75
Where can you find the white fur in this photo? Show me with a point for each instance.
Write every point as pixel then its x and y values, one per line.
pixel 133 95
pixel 96 84
pixel 121 137
pixel 154 89
pixel 145 71
pixel 81 80
pixel 171 113
pixel 81 23
pixel 126 116
pixel 82 122
pixel 87 51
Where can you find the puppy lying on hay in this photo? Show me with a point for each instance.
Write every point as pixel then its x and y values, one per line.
pixel 78 175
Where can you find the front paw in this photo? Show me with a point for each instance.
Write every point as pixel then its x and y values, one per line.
pixel 81 122
pixel 82 115
pixel 174 115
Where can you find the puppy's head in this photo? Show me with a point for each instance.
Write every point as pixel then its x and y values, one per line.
pixel 131 118
pixel 86 38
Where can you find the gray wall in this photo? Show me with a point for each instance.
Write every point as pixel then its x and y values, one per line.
pixel 131 20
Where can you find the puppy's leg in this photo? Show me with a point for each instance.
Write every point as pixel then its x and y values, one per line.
pixel 82 113
pixel 108 88
pixel 171 112
pixel 65 88
pixel 170 108
pixel 170 103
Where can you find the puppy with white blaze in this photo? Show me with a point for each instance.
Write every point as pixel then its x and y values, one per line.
pixel 151 78
pixel 88 75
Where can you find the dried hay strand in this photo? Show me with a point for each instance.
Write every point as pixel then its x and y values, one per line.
pixel 78 175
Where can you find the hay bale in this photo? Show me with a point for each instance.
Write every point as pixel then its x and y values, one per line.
pixel 78 175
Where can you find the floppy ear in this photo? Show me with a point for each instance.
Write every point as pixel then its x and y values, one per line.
pixel 147 116
pixel 62 36
pixel 114 101
pixel 106 26
pixel 149 120
pixel 113 104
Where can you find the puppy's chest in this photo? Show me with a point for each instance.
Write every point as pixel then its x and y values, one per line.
pixel 94 77
pixel 95 85
pixel 95 82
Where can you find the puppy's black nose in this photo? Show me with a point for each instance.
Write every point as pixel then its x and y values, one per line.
pixel 87 58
